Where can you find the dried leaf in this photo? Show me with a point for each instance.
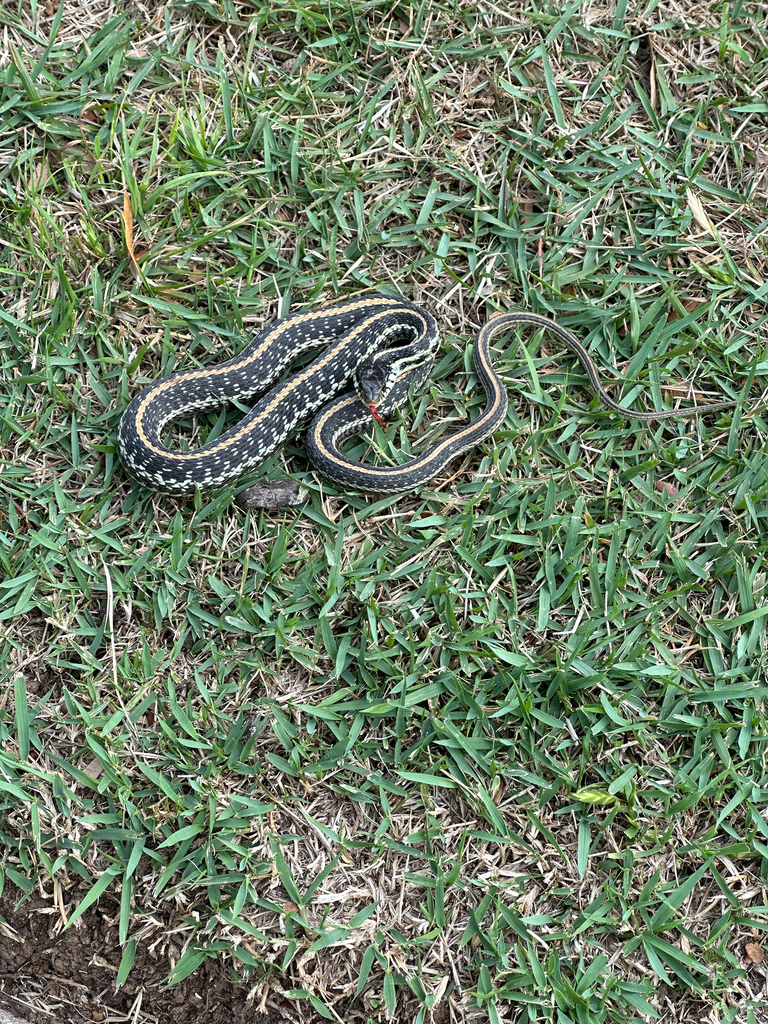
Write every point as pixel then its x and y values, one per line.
pixel 526 206
pixel 128 222
pixel 755 952
pixel 688 305
pixel 696 207
pixel 654 97
pixel 686 391
pixel 94 768
pixel 668 486
pixel 40 174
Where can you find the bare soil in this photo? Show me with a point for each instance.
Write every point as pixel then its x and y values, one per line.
pixel 54 976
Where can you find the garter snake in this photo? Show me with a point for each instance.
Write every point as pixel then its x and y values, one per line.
pixel 364 336
pixel 383 345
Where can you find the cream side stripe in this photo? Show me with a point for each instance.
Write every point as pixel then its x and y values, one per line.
pixel 330 352
pixel 309 371
pixel 432 453
pixel 423 460
pixel 274 334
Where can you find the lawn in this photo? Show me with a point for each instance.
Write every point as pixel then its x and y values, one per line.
pixel 492 751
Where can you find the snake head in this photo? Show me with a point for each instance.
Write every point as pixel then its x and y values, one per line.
pixel 382 379
pixel 371 387
pixel 369 383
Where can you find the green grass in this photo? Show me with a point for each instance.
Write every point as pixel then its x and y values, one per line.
pixel 503 741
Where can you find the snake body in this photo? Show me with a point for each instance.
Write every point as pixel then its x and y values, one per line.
pixel 384 345
pixel 352 335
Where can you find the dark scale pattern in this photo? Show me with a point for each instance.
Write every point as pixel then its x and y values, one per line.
pixel 350 334
pixel 346 416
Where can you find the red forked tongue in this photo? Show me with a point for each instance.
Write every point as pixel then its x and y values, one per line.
pixel 379 419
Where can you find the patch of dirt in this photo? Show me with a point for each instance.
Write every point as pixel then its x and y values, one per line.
pixel 52 977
